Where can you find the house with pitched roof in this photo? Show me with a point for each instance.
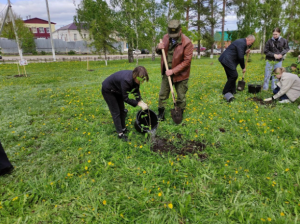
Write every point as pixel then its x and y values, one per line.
pixel 39 27
pixel 70 33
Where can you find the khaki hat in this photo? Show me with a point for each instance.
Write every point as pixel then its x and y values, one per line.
pixel 174 28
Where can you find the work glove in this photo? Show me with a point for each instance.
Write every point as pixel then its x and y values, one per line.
pixel 269 99
pixel 143 105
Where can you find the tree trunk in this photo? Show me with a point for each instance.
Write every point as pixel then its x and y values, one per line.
pixel 212 26
pixel 263 40
pixel 199 29
pixel 105 57
pixel 169 11
pixel 130 53
pixel 187 18
pixel 223 25
pixel 153 48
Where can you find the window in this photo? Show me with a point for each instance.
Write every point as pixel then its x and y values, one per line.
pixel 47 30
pixel 33 29
pixel 41 30
pixel 75 36
pixel 84 35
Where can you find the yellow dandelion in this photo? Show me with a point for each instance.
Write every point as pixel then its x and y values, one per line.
pixel 262 219
pixel 89 161
pixel 109 163
pixel 86 168
pixel 170 205
pixel 287 169
pixel 226 164
pixel 159 194
pixel 269 219
pixel 144 171
pixel 104 202
pixel 282 214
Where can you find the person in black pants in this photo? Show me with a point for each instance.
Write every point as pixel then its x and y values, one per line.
pixel 233 56
pixel 116 89
pixel 5 165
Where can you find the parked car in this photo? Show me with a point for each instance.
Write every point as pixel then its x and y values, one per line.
pixel 145 51
pixel 201 48
pixel 136 51
pixel 215 51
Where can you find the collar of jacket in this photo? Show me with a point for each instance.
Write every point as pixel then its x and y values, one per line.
pixel 179 40
pixel 278 38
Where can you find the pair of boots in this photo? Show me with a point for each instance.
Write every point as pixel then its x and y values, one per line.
pixel 161 113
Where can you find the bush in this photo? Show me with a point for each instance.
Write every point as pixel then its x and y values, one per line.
pixel 43 52
pixel 71 52
pixel 34 52
pixel 296 52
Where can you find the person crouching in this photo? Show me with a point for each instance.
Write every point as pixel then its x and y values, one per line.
pixel 288 88
pixel 116 89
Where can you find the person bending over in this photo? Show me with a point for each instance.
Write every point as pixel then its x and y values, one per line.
pixel 288 87
pixel 5 165
pixel 116 89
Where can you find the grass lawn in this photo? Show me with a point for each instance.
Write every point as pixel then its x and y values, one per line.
pixel 71 168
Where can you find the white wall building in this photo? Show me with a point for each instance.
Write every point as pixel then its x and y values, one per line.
pixel 70 33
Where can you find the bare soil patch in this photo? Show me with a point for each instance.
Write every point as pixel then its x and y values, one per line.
pixel 261 101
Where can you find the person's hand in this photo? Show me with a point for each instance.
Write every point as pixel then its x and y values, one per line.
pixel 268 99
pixel 143 105
pixel 244 70
pixel 279 56
pixel 248 51
pixel 161 46
pixel 276 56
pixel 169 72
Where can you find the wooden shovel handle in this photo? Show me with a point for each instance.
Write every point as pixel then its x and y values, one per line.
pixel 246 64
pixel 167 68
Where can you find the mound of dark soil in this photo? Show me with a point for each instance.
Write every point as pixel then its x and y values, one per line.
pixel 19 76
pixel 162 145
pixel 261 101
pixel 222 130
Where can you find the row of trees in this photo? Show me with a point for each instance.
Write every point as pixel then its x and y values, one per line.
pixel 141 23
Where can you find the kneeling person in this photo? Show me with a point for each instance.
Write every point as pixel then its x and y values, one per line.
pixel 288 88
pixel 115 91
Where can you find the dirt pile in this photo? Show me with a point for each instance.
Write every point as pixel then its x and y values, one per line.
pixel 261 101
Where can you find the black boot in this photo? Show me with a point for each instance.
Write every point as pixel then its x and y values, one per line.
pixel 161 113
pixel 123 137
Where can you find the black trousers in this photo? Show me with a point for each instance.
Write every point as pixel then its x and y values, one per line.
pixel 116 107
pixel 232 75
pixel 4 162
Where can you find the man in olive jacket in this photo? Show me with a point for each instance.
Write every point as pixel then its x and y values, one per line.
pixel 179 53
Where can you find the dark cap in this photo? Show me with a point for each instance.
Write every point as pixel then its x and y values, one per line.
pixel 294 65
pixel 174 28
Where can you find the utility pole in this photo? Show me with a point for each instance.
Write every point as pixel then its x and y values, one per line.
pixel 15 30
pixel 49 21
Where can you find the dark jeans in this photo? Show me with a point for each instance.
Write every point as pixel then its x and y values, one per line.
pixel 116 107
pixel 283 97
pixel 4 162
pixel 232 75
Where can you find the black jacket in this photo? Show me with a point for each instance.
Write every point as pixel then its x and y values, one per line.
pixel 122 84
pixel 273 46
pixel 234 54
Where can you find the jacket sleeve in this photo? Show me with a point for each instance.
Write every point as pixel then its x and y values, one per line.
pixel 286 48
pixel 187 58
pixel 126 90
pixel 240 54
pixel 267 49
pixel 286 84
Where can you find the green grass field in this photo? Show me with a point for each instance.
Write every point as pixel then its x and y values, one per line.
pixel 71 168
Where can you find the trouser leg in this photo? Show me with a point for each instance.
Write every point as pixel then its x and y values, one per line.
pixel 4 162
pixel 232 75
pixel 122 112
pixel 181 89
pixel 114 108
pixel 283 97
pixel 274 80
pixel 164 92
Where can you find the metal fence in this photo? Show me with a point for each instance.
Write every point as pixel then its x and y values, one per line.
pixel 81 47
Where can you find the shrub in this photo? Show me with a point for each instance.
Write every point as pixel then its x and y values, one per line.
pixel 71 52
pixel 43 52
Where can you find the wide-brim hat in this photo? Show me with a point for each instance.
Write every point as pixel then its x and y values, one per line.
pixel 174 27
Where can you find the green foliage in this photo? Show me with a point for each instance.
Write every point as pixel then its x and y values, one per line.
pixel 26 38
pixel 43 53
pixel 72 168
pixel 97 17
pixel 71 52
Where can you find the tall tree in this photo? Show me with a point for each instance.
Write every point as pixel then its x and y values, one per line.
pixel 25 36
pixel 95 16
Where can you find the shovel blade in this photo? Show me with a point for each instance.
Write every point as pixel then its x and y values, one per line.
pixel 176 115
pixel 241 85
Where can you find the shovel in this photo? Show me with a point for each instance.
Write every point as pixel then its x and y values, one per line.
pixel 242 83
pixel 176 113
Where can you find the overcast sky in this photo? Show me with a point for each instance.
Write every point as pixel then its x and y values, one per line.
pixel 62 11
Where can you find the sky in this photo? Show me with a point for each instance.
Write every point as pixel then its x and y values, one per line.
pixel 63 11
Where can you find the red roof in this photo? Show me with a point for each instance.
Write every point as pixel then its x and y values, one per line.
pixel 37 20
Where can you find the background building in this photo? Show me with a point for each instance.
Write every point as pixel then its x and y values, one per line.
pixel 39 27
pixel 70 33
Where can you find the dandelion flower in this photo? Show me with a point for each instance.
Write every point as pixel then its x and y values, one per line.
pixel 104 202
pixel 269 219
pixel 282 214
pixel 287 169
pixel 170 206
pixel 159 194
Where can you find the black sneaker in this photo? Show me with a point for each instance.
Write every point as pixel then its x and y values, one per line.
pixel 7 170
pixel 123 137
pixel 125 131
